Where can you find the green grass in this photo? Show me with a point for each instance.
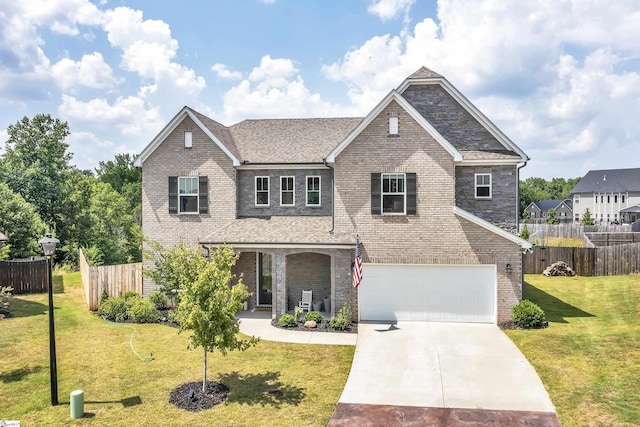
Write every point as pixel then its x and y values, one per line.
pixel 119 389
pixel 574 242
pixel 589 357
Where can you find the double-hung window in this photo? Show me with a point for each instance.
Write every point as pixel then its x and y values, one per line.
pixel 483 185
pixel 262 191
pixel 287 191
pixel 313 191
pixel 393 193
pixel 188 194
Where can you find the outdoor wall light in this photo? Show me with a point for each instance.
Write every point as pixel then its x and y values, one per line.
pixel 508 268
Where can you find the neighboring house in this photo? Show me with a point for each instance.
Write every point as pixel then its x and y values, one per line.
pixel 538 212
pixel 3 238
pixel 612 196
pixel 425 182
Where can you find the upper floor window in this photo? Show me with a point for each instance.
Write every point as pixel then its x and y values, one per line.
pixel 608 199
pixel 483 185
pixel 188 194
pixel 576 199
pixel 622 198
pixel 287 191
pixel 615 198
pixel 393 193
pixel 601 199
pixel 262 191
pixel 313 191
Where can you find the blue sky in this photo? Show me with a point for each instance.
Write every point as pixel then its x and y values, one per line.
pixel 561 79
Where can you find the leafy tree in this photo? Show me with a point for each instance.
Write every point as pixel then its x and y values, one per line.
pixel 209 303
pixel 35 164
pixel 126 179
pixel 524 234
pixel 20 223
pixel 552 217
pixel 4 250
pixel 586 217
pixel 535 189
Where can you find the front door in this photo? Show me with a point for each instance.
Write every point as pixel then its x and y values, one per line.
pixel 265 279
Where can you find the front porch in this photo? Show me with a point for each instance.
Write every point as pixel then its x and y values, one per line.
pixel 276 277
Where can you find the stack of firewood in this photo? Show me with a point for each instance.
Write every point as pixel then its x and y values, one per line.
pixel 559 268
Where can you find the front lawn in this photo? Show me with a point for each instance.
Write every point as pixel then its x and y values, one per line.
pixel 589 357
pixel 271 384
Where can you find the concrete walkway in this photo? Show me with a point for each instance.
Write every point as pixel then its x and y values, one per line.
pixel 258 324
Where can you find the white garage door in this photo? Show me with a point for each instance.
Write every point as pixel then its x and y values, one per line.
pixel 442 293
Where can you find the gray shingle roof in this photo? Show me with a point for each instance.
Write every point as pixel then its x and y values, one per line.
pixel 545 205
pixel 609 180
pixel 279 229
pixel 488 155
pixel 290 140
pixel 425 73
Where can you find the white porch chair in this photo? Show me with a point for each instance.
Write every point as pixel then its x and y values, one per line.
pixel 305 303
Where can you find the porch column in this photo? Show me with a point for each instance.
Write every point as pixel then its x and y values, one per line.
pixel 280 281
pixel 333 284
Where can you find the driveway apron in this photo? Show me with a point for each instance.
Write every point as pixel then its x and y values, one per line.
pixel 441 365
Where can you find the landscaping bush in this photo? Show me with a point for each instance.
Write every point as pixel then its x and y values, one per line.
pixel 343 319
pixel 314 315
pixel 5 301
pixel 159 299
pixel 142 310
pixel 528 315
pixel 114 309
pixel 130 294
pixel 287 321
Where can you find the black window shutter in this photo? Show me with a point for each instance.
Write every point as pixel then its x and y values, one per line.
pixel 411 194
pixel 376 194
pixel 173 194
pixel 203 193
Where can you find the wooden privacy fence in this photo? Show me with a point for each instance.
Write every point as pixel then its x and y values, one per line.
pixel 581 260
pixel 598 261
pixel 25 276
pixel 115 279
pixel 573 229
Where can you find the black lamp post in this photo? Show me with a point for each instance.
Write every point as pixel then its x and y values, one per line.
pixel 49 247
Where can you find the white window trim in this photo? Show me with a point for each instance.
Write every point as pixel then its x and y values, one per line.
pixel 476 186
pixel 255 192
pixel 319 190
pixel 382 194
pixel 293 190
pixel 197 194
pixel 576 199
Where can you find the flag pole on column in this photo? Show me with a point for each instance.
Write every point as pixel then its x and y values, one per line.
pixel 357 265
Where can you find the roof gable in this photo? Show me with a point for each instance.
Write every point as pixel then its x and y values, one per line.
pixel 495 141
pixel 609 180
pixel 493 228
pixel 394 96
pixel 170 127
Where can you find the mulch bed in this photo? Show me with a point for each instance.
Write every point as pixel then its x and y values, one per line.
pixel 215 394
pixel 352 329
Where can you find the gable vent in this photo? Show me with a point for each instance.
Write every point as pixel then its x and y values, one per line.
pixel 393 125
pixel 188 139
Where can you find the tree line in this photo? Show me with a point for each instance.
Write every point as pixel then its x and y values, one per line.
pixel 40 191
pixel 535 189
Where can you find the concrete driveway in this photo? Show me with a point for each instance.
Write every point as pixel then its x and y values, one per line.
pixel 441 370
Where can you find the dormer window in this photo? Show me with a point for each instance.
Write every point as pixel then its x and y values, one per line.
pixel 483 185
pixel 393 126
pixel 188 139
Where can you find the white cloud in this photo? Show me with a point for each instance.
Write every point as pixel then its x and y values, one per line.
pixel 149 50
pixel 128 115
pixel 389 9
pixel 273 89
pixel 225 73
pixel 91 71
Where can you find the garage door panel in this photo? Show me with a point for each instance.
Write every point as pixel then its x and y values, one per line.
pixel 450 293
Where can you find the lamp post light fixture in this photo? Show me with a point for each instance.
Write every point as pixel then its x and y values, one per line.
pixel 49 248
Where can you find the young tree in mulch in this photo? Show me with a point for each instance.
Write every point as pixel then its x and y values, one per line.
pixel 207 308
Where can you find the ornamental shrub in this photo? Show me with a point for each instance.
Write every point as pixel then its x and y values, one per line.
pixel 528 315
pixel 142 310
pixel 287 321
pixel 114 309
pixel 343 319
pixel 314 315
pixel 159 299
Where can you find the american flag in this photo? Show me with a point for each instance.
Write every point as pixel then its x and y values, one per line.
pixel 357 266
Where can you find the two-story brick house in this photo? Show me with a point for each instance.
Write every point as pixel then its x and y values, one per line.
pixel 611 195
pixel 425 182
